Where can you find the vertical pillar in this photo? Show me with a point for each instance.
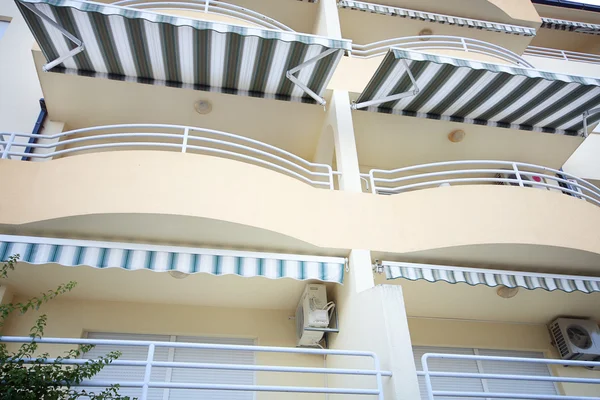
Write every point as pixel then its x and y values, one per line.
pixel 361 271
pixel 328 21
pixel 339 121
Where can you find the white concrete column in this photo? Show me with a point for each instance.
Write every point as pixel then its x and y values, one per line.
pixel 361 271
pixel 375 320
pixel 328 21
pixel 338 123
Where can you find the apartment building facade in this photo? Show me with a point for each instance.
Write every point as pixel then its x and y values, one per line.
pixel 194 165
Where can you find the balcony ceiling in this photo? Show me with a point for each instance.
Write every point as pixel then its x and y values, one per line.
pixel 291 126
pixel 455 301
pixel 393 141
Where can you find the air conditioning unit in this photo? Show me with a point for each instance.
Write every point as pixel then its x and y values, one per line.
pixel 312 314
pixel 576 339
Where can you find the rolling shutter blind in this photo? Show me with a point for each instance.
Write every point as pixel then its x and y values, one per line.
pixel 488 367
pixel 212 375
pixel 437 364
pixel 187 375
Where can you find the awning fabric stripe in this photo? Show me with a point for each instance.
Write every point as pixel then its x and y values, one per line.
pixel 141 46
pixel 491 278
pixel 572 26
pixel 133 256
pixel 474 92
pixel 433 17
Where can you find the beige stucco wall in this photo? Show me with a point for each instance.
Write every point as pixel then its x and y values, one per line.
pixel 502 336
pixel 584 162
pixel 138 183
pixel 267 327
pixel 19 86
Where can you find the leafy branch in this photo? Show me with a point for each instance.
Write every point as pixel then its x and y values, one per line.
pixel 27 376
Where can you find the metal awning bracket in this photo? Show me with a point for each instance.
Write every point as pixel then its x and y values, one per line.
pixel 585 116
pixel 290 75
pixel 80 46
pixel 394 97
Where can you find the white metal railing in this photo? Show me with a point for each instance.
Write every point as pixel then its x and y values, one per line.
pixel 438 42
pixel 186 139
pixel 147 382
pixel 209 7
pixel 450 173
pixel 565 55
pixel 432 393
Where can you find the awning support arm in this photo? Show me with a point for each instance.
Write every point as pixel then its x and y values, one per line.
pixel 394 97
pixel 586 114
pixel 80 46
pixel 290 75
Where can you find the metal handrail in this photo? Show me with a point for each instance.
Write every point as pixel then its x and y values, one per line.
pixel 483 171
pixel 147 382
pixel 431 393
pixel 187 139
pixel 565 55
pixel 209 7
pixel 438 42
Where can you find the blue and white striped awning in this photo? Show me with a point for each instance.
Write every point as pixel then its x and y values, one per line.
pixel 491 277
pixel 571 26
pixel 189 260
pixel 120 43
pixel 479 93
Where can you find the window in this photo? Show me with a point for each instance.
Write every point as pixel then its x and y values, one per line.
pixel 490 367
pixel 3 27
pixel 188 375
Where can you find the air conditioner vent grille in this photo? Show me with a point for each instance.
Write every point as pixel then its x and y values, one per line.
pixel 559 340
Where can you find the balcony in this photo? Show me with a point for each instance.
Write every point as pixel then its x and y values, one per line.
pixel 482 172
pixel 193 377
pixel 365 22
pixel 208 9
pixel 448 45
pixel 168 138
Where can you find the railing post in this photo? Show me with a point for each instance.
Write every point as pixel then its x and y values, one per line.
pixel 562 52
pixel 378 376
pixel 186 133
pixel 8 145
pixel 464 43
pixel 372 182
pixel 518 175
pixel 148 371
pixel 428 384
pixel 206 6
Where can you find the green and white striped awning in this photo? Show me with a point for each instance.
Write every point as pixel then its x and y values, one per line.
pixel 433 17
pixel 572 26
pixel 490 277
pixel 133 256
pixel 141 46
pixel 474 92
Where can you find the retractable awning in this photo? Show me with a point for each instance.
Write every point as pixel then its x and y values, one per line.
pixel 491 278
pixel 133 256
pixel 572 26
pixel 433 17
pixel 438 87
pixel 101 40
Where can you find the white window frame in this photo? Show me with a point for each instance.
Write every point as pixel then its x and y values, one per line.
pixel 484 381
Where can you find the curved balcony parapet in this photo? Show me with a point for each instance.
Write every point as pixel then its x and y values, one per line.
pixel 564 55
pixel 478 172
pixel 208 7
pixel 439 42
pixel 185 139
